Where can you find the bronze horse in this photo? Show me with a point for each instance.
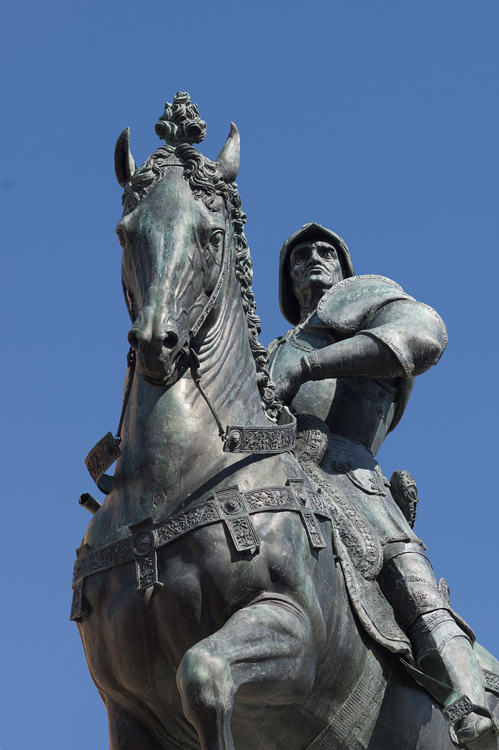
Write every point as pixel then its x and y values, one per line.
pixel 208 594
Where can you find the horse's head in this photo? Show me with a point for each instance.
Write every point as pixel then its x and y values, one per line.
pixel 182 233
pixel 175 233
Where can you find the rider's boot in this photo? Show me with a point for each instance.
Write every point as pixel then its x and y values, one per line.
pixel 442 647
pixel 444 652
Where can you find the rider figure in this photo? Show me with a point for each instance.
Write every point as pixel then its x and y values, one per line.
pixel 350 361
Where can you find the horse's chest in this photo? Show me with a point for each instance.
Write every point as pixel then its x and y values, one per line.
pixel 123 622
pixel 200 586
pixel 202 581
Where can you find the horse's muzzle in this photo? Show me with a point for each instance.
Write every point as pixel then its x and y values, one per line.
pixel 157 371
pixel 143 340
pixel 157 362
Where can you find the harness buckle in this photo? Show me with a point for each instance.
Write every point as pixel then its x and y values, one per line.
pixel 307 514
pixel 144 551
pixel 236 518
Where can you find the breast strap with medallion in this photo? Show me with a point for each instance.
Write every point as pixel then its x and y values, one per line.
pixel 229 506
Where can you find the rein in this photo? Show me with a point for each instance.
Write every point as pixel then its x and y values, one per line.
pixel 187 351
pixel 235 439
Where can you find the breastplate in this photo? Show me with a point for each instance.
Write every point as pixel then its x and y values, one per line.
pixel 361 409
pixel 358 408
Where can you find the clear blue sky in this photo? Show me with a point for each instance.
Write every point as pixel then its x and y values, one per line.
pixel 376 119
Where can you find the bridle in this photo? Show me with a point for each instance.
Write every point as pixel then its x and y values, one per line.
pixel 187 351
pixel 235 439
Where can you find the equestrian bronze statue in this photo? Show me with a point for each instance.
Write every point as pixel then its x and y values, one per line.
pixel 251 580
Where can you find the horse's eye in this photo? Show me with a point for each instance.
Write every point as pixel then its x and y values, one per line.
pixel 216 238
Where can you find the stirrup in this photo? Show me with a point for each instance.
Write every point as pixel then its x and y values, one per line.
pixel 463 707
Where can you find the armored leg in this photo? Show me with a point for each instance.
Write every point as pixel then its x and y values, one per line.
pixel 442 648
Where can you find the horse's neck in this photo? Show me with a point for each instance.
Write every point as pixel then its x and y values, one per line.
pixel 171 444
pixel 228 367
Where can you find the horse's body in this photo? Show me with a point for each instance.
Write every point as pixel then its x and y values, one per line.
pixel 248 649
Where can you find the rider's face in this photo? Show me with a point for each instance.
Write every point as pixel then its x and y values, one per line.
pixel 314 264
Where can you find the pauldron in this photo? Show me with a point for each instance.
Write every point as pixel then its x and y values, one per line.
pixel 379 307
pixel 349 305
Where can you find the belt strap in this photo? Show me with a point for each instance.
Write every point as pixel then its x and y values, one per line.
pixel 491 681
pixel 273 439
pixel 230 506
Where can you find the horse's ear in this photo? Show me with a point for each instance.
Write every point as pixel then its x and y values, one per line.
pixel 124 165
pixel 228 158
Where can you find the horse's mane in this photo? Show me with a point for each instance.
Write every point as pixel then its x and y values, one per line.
pixel 205 181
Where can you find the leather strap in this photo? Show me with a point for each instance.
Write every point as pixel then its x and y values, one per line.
pixel 276 438
pixel 272 439
pixel 230 506
pixel 463 707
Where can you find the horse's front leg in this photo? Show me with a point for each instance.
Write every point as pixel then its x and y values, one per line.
pixel 125 732
pixel 266 650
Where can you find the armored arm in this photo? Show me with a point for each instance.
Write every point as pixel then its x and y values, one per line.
pixel 359 356
pixel 381 332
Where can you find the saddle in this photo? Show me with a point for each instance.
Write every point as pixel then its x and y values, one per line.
pixel 357 544
pixel 359 551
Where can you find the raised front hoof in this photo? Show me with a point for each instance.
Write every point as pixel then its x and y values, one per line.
pixel 476 733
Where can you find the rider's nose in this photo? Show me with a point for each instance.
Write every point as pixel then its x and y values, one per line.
pixel 314 256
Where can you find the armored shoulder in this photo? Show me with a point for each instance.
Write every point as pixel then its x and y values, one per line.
pixel 348 305
pixel 379 307
pixel 274 345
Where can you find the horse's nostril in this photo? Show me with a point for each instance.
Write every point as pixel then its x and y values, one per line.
pixel 132 339
pixel 170 340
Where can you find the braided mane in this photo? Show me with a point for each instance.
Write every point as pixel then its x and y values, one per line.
pixel 206 184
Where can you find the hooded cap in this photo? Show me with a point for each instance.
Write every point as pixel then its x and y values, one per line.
pixel 308 233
